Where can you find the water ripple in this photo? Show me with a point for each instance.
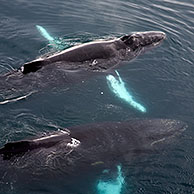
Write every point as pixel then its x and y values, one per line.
pixel 164 77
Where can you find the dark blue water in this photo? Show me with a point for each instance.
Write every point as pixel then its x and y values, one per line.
pixel 162 80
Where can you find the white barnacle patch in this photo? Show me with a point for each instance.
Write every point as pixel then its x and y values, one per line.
pixel 156 43
pixel 134 39
pixel 22 69
pixel 94 62
pixel 74 143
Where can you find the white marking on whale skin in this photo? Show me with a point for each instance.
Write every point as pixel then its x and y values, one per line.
pixel 160 140
pixel 53 135
pixel 94 62
pixel 74 143
pixel 148 32
pixel 155 44
pixel 22 69
pixel 16 99
pixel 170 137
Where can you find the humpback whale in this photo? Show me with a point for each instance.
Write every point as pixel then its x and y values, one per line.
pixel 112 138
pixel 99 55
pixel 75 65
pixel 77 156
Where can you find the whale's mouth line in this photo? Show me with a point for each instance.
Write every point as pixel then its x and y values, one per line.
pixel 176 133
pixel 158 141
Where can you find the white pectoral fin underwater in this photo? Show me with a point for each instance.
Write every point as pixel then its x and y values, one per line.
pixel 117 86
pixel 44 33
pixel 113 186
pixel 53 42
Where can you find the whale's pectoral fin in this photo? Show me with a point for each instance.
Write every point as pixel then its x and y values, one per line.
pixel 32 66
pixel 16 148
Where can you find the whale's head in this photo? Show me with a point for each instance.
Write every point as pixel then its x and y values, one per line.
pixel 166 130
pixel 140 40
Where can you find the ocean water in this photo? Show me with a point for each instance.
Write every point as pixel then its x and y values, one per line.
pixel 161 79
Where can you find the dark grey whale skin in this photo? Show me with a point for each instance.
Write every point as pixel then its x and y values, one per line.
pixel 126 47
pixel 110 137
pixel 49 164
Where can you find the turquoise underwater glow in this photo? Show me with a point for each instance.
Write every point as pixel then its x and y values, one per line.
pixel 44 33
pixel 109 187
pixel 53 42
pixel 113 186
pixel 117 86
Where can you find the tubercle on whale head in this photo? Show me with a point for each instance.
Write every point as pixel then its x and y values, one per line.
pixel 143 39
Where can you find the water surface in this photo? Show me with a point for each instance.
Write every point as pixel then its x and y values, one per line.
pixel 161 79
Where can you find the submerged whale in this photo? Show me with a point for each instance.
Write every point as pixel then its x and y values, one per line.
pixel 70 161
pixel 99 55
pixel 101 140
